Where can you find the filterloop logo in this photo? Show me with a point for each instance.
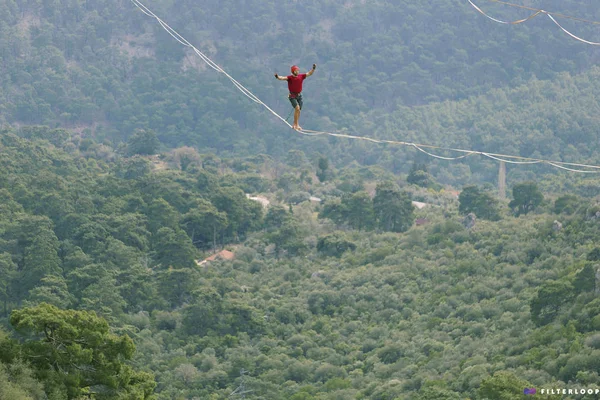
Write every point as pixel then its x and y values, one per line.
pixel 563 391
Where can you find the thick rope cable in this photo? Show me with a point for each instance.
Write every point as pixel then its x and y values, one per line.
pixel 537 12
pixel 498 157
pixel 419 147
pixel 550 12
pixel 206 59
pixel 569 169
pixel 511 162
pixel 440 157
pixel 570 34
pixel 520 21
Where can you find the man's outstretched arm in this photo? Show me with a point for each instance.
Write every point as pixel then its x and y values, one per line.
pixel 312 71
pixel 281 78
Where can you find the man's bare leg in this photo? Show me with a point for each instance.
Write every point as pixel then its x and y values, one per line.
pixel 296 117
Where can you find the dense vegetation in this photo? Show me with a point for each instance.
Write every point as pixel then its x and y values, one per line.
pixel 319 302
pixel 107 69
pixel 125 161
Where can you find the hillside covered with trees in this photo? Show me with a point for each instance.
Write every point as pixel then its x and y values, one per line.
pixel 361 295
pixel 162 237
pixel 106 69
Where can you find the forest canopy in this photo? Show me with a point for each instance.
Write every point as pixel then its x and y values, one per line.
pixel 164 237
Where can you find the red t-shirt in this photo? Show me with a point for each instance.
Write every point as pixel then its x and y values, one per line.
pixel 295 83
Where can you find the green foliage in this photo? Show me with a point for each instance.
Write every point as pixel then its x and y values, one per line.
pixel 243 214
pixel 335 210
pixel 473 200
pixel 204 224
pixel 143 142
pixel 393 209
pixel 567 204
pixel 503 386
pixel 17 383
pixel 335 245
pixel 585 279
pixel 8 273
pixel 323 171
pixel 288 236
pixel 372 308
pixel 276 217
pixel 111 78
pixel 437 393
pixel 526 197
pixel 419 176
pixel 360 212
pixel 548 300
pixel 594 254
pixel 34 247
pixel 212 313
pixel 74 352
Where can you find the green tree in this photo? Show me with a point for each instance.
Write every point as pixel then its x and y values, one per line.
pixel 176 285
pixel 213 313
pixel 437 393
pixel 567 204
pixel 133 168
pixel 57 137
pixel 243 214
pixel 18 383
pixel 34 247
pixel 204 223
pixel 322 169
pixel 174 248
pixel 296 158
pixel 393 209
pixel 526 197
pixel 161 214
pixel 103 297
pixel 585 279
pixel 74 352
pixel 52 290
pixel 548 300
pixel 505 385
pixel 8 273
pixel 482 204
pixel 335 245
pixel 302 396
pixel 143 142
pixel 336 210
pixel 360 213
pixel 289 236
pixel 276 216
pixel 8 205
pixel 594 254
pixel 419 175
pixel 91 236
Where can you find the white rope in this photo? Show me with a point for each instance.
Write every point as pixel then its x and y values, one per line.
pixel 505 22
pixel 512 162
pixel 571 169
pixel 570 34
pixel 440 157
pixel 530 17
pixel 308 132
pixel 206 59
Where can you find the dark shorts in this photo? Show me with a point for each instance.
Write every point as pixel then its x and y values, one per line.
pixel 296 101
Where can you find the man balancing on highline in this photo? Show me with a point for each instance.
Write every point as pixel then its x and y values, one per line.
pixel 295 88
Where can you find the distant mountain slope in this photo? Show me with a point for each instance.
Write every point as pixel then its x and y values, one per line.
pixel 107 67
